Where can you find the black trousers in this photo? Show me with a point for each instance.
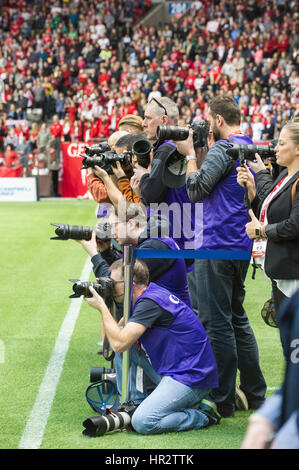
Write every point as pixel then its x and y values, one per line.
pixel 220 295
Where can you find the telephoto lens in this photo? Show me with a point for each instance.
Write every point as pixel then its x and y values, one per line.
pixel 249 151
pixel 172 133
pixel 112 420
pixel 142 149
pixel 80 232
pixel 98 425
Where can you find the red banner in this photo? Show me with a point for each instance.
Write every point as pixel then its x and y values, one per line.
pixel 11 172
pixel 72 179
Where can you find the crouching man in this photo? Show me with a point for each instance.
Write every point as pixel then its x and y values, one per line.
pixel 178 349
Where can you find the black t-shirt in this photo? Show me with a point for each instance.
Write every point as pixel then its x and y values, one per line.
pixel 149 313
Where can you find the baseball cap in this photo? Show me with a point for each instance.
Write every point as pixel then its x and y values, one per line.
pixel 132 120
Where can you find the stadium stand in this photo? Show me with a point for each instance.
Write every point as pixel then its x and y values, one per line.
pixel 92 62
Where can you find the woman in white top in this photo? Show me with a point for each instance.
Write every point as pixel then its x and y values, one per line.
pixel 275 214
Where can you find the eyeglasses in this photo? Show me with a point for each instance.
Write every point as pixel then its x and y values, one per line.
pixel 116 296
pixel 160 104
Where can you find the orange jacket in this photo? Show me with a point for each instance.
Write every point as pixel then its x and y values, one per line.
pixel 123 184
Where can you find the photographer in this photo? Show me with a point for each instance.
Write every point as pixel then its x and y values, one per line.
pixel 276 204
pixel 178 348
pixel 130 226
pixel 220 283
pixel 118 186
pixel 152 186
pixel 94 183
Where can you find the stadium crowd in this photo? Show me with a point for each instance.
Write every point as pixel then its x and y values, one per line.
pixel 87 66
pixel 90 63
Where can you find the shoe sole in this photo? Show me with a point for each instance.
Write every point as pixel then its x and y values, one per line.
pixel 211 409
pixel 241 400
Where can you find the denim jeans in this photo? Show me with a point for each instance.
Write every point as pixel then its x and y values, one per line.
pixel 166 409
pixel 138 360
pixel 169 409
pixel 220 297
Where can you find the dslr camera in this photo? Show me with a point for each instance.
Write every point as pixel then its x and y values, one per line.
pixel 80 232
pixel 102 373
pixel 200 133
pixel 247 152
pixel 98 155
pixel 103 286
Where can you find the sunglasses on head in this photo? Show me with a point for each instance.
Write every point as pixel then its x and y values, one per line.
pixel 160 104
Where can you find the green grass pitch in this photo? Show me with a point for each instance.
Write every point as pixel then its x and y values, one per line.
pixel 34 299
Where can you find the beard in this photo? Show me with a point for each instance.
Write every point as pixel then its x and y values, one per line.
pixel 216 133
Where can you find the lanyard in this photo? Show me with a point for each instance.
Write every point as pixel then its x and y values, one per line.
pixel 269 199
pixel 238 132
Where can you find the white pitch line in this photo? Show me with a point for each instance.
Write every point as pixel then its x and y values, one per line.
pixel 33 433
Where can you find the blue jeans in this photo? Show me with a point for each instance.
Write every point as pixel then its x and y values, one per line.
pixel 138 360
pixel 220 297
pixel 169 407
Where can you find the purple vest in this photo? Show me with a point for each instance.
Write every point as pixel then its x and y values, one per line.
pixel 182 350
pixel 175 280
pixel 224 213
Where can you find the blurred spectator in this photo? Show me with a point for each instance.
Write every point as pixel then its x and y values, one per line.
pixel 11 158
pixel 92 60
pixel 56 131
pixel 43 143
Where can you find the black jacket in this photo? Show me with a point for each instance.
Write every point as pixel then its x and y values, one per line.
pixel 282 253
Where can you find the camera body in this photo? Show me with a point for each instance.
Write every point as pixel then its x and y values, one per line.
pixel 102 373
pixel 81 232
pixel 200 132
pixel 93 150
pixel 105 158
pixel 104 287
pixel 247 152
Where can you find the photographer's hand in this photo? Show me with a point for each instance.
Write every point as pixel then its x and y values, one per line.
pixel 258 165
pixel 101 173
pixel 139 171
pixel 246 179
pixel 135 185
pixel 90 246
pixel 96 301
pixel 118 171
pixel 186 148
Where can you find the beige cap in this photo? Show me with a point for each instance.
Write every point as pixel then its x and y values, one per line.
pixel 132 120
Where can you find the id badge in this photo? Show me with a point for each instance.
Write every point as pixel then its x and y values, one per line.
pixel 259 248
pixel 139 379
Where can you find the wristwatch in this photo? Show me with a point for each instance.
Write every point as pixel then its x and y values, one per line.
pixel 190 157
pixel 258 232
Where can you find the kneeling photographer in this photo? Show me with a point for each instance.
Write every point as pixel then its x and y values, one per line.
pixel 178 348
